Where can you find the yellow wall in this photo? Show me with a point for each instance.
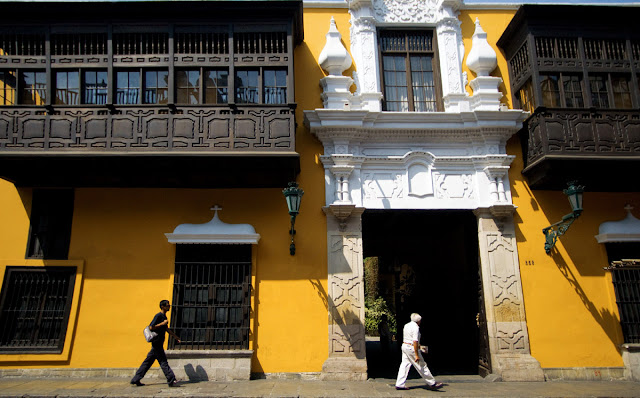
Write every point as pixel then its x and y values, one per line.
pixel 572 317
pixel 128 263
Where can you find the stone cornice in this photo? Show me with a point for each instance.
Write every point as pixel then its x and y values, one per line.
pixel 414 120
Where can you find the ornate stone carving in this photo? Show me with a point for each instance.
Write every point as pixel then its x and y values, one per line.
pixel 408 11
pixel 454 186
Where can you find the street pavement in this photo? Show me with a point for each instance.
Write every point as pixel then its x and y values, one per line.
pixel 455 386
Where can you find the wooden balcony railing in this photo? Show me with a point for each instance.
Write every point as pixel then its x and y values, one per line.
pixel 263 129
pixel 562 143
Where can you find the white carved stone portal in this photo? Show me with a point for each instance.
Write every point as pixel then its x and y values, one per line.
pixel 418 160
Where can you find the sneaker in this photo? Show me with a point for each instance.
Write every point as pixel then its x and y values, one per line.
pixel 173 383
pixel 402 388
pixel 136 383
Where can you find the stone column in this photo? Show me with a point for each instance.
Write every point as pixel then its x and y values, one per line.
pixel 347 359
pixel 504 306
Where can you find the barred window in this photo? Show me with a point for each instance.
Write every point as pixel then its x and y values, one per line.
pixel 212 297
pixel 409 71
pixel 34 309
pixel 626 282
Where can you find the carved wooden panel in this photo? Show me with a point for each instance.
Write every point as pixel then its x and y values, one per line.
pixel 140 129
pixel 581 132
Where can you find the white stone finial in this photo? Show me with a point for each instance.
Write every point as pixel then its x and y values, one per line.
pixel 482 58
pixel 334 57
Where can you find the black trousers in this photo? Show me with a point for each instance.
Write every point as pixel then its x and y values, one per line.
pixel 157 352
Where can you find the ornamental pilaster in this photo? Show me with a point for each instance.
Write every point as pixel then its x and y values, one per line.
pixel 503 300
pixel 347 356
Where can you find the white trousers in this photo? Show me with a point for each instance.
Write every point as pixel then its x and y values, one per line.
pixel 408 359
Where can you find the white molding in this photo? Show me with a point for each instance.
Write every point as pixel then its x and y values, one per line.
pixel 214 232
pixel 625 230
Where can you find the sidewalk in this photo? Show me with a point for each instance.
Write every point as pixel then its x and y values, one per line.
pixel 455 386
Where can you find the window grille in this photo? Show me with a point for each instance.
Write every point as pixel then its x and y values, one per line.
pixel 212 297
pixel 260 43
pixel 201 43
pixel 79 44
pixel 605 49
pixel 22 44
pixel 626 282
pixel 556 47
pixel 140 43
pixel 520 61
pixel 635 49
pixel 36 302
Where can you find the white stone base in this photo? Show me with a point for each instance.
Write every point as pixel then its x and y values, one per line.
pixel 631 358
pixel 211 365
pixel 517 367
pixel 595 374
pixel 344 369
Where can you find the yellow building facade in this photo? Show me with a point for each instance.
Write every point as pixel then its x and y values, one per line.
pixel 429 180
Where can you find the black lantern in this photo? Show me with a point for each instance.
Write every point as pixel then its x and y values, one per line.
pixel 293 195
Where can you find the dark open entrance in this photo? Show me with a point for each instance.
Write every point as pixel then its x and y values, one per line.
pixel 427 262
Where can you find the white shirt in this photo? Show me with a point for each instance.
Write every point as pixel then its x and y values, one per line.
pixel 411 333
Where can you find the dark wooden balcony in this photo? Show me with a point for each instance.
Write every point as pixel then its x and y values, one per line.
pixel 599 148
pixel 149 146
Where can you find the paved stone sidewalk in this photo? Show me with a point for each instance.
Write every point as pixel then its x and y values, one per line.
pixel 455 387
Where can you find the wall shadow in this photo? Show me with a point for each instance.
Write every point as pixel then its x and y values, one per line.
pixel 607 320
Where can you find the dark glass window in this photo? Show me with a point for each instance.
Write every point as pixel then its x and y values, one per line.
pixel 188 86
pixel 216 87
pixel 34 88
pixel 50 229
pixel 621 87
pixel 67 87
pixel 212 297
pixel 156 87
pixel 127 87
pixel 7 87
pixel 599 93
pixel 247 87
pixel 34 309
pixel 525 95
pixel 409 71
pixel 275 86
pixel 95 87
pixel 561 90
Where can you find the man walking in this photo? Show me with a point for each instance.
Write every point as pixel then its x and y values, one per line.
pixel 159 324
pixel 412 355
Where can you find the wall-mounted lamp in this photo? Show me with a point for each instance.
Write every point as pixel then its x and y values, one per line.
pixel 293 195
pixel 554 231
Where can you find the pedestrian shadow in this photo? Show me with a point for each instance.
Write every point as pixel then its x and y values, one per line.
pixel 197 374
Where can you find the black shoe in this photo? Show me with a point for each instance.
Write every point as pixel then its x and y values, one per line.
pixel 136 383
pixel 435 387
pixel 173 383
pixel 402 388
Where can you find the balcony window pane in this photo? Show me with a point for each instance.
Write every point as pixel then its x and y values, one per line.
pixel 216 87
pixel 550 90
pixel 247 87
pixel 95 87
pixel 599 94
pixel 188 86
pixel 34 88
pixel 621 92
pixel 7 87
pixel 423 85
pixel 525 95
pixel 156 87
pixel 275 86
pixel 572 86
pixel 395 83
pixel 127 87
pixel 67 88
